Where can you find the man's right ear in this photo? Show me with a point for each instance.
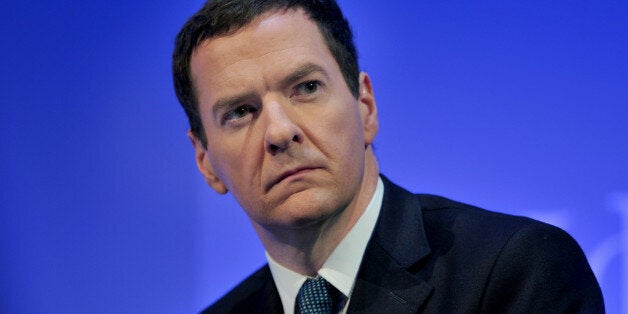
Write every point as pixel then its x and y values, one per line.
pixel 205 167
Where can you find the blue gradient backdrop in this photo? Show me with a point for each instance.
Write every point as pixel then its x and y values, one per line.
pixel 519 107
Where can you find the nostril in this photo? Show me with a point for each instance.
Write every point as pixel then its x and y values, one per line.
pixel 295 138
pixel 273 147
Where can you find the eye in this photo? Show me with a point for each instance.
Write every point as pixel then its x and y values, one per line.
pixel 239 113
pixel 307 88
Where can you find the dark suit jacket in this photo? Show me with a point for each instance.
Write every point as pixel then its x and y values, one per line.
pixel 433 255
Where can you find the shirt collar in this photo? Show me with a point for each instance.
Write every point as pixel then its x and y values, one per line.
pixel 341 268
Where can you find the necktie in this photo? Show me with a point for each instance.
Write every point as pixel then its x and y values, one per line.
pixel 317 296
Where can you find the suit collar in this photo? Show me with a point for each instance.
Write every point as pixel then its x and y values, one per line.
pixel 269 301
pixel 384 282
pixel 400 230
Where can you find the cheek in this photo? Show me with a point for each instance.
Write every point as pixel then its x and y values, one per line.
pixel 237 161
pixel 346 125
pixel 341 138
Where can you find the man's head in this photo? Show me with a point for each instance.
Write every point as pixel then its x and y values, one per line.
pixel 224 17
pixel 283 130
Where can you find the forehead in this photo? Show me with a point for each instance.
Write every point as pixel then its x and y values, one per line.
pixel 275 39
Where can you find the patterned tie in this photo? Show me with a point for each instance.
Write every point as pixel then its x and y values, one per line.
pixel 317 296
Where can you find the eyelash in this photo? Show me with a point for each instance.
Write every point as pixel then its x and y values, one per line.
pixel 299 87
pixel 231 114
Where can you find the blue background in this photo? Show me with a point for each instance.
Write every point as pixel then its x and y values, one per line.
pixel 515 106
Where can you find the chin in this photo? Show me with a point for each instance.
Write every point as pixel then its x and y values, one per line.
pixel 309 212
pixel 307 208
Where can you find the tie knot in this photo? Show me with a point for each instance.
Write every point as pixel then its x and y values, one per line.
pixel 317 296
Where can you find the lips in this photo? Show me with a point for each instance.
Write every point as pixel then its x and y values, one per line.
pixel 289 173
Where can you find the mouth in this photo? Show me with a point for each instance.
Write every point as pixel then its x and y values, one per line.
pixel 291 174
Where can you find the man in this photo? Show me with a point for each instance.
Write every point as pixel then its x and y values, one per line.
pixel 281 117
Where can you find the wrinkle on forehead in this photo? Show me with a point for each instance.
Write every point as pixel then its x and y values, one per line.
pixel 241 53
pixel 250 70
pixel 252 60
pixel 267 26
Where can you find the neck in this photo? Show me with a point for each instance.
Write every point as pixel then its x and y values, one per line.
pixel 305 250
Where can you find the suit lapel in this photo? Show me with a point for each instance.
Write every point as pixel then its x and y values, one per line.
pixel 269 301
pixel 384 283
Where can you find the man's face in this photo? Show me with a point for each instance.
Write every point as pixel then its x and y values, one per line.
pixel 285 135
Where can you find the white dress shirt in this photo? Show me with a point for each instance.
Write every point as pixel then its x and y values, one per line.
pixel 341 268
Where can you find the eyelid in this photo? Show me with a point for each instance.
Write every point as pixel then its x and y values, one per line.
pixel 227 104
pixel 296 88
pixel 308 82
pixel 225 119
pixel 302 73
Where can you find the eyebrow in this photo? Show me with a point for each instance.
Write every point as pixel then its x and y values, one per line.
pixel 301 72
pixel 228 102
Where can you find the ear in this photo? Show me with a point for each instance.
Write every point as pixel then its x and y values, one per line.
pixel 368 108
pixel 205 166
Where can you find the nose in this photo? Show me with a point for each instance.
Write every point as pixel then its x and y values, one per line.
pixel 281 130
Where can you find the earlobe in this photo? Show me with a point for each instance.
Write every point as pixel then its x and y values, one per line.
pixel 204 165
pixel 368 109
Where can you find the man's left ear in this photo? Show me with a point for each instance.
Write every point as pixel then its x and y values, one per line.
pixel 368 108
